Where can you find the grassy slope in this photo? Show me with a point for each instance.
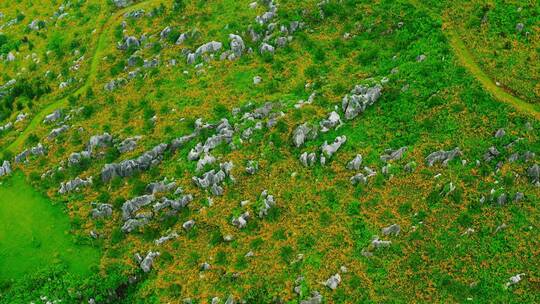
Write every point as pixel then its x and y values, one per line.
pixel 34 233
pixel 103 43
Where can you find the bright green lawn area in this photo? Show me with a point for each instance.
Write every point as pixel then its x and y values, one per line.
pixel 34 233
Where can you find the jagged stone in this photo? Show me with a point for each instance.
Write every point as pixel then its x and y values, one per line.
pixel 101 211
pixel 360 98
pixel 133 205
pixel 442 156
pixel 148 261
pixel 355 163
pixel 329 149
pixel 393 229
pixel 74 184
pixel 391 155
pixel 131 166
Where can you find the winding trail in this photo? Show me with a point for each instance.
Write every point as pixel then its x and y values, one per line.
pixel 467 60
pixel 102 44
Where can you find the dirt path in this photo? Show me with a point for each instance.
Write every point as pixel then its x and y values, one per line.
pixel 466 59
pixel 101 45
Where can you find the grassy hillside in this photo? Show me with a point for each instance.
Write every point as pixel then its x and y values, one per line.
pixel 465 228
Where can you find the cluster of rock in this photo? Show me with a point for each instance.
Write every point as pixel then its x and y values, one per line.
pixel 213 179
pixel 5 169
pixel 131 166
pixel 75 184
pixel 38 150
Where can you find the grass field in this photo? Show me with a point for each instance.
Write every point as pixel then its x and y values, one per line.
pixel 35 233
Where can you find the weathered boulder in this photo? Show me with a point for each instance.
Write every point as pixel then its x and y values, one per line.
pixel 210 47
pixel 188 225
pixel 442 156
pixel 54 116
pixel 131 166
pixel 74 184
pixel 237 45
pixel 133 205
pixel 360 98
pixel 101 211
pixel 266 48
pixel 359 178
pixel 302 133
pixel 133 224
pixel 252 167
pixel 173 235
pixel 148 261
pixel 267 204
pixel 164 34
pixel 316 298
pixel 207 159
pixel 331 122
pixel 491 154
pixel 160 187
pixel 76 157
pixel 241 221
pixel 308 159
pixel 391 155
pixel 534 174
pixel 355 163
pixel 333 281
pixel 500 133
pixel 5 169
pixel 122 3
pixel 329 149
pixel 393 229
pixel 128 144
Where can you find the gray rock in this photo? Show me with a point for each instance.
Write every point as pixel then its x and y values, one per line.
pixel 77 157
pixel 164 34
pixel 442 156
pixel 358 179
pixel 393 229
pixel 128 144
pixel 237 45
pixel 146 264
pixel 166 238
pixel 101 211
pixel 377 243
pixel 519 27
pixel 74 184
pixel 160 187
pixel 491 154
pixel 360 98
pixel 266 48
pixel 331 122
pixel 333 281
pixel 181 141
pixel 122 3
pixel 421 58
pixel 410 167
pixel 188 225
pixel 207 159
pixel 257 80
pixel 500 133
pixel 308 160
pixel 267 204
pixel 355 163
pixel 133 205
pixel 99 141
pixel 54 116
pixel 5 169
pixel 130 42
pixel 133 224
pixel 534 174
pixel 208 48
pixel 518 197
pixel 391 155
pixel 241 221
pixel 252 167
pixel 131 166
pixel 302 133
pixel 329 149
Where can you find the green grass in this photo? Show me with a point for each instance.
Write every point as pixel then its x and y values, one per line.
pixel 35 233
